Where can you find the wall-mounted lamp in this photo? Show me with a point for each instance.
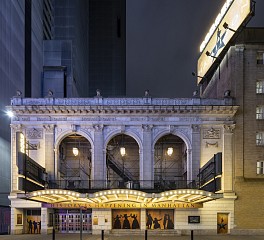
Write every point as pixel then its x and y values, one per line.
pixel 75 151
pixel 10 114
pixel 227 93
pixel 123 151
pixel 225 25
pixel 210 55
pixel 170 151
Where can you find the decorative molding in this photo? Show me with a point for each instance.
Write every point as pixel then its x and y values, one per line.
pixel 207 144
pixel 171 128
pixel 49 128
pixel 16 127
pixel 34 133
pixel 74 127
pixel 229 128
pixel 211 133
pixel 196 128
pixel 122 128
pixel 146 127
pixel 98 127
pixel 33 146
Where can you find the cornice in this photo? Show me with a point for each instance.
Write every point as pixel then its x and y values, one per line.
pixel 122 110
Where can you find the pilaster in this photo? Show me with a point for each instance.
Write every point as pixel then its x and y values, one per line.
pixel 99 163
pixel 194 154
pixel 227 161
pixel 50 165
pixel 146 161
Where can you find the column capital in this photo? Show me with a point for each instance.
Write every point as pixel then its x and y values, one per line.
pixel 98 127
pixel 49 127
pixel 16 127
pixel 196 128
pixel 229 128
pixel 146 127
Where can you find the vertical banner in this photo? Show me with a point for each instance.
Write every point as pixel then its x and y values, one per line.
pixel 222 223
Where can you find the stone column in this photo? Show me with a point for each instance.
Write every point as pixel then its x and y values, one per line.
pixel 15 128
pixel 146 160
pixel 227 158
pixel 195 153
pixel 98 161
pixel 50 165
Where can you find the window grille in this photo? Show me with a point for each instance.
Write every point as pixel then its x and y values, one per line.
pixel 259 139
pixel 260 86
pixel 260 57
pixel 260 167
pixel 260 112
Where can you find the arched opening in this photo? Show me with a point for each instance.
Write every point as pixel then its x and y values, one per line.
pixel 170 163
pixel 74 165
pixel 122 161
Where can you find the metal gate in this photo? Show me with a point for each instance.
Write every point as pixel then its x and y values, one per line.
pixel 69 221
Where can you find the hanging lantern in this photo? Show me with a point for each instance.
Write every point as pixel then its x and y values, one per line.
pixel 75 151
pixel 123 151
pixel 170 151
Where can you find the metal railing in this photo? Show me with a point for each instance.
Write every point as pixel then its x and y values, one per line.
pixel 144 185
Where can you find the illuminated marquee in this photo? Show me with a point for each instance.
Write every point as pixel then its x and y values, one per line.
pixel 122 205
pixel 234 14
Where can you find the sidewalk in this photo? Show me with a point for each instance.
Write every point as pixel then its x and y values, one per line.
pixel 125 237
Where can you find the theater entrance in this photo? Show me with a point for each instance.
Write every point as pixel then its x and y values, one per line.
pixel 69 221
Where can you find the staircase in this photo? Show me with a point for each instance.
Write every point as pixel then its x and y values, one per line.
pixel 119 169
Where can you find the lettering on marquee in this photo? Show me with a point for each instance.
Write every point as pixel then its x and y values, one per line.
pixel 115 205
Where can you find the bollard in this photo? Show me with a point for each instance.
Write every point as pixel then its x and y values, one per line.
pixel 191 234
pixel 146 234
pixel 102 235
pixel 53 234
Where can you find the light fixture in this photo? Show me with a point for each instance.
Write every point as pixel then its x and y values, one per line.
pixel 123 151
pixel 225 25
pixel 210 55
pixel 170 151
pixel 195 74
pixel 10 114
pixel 75 151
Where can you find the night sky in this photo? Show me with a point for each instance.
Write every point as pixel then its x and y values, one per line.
pixel 163 40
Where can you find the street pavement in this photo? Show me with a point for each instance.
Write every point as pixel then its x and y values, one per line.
pixel 124 237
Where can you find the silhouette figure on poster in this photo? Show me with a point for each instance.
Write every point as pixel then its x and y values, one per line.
pixel 170 224
pixel 35 224
pixel 117 222
pixel 156 223
pixel 149 221
pixel 135 224
pixel 165 220
pixel 29 226
pixel 126 223
pixel 39 229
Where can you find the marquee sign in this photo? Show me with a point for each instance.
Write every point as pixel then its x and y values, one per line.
pixel 233 14
pixel 124 205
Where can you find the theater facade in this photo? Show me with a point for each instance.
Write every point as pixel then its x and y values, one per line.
pixel 92 164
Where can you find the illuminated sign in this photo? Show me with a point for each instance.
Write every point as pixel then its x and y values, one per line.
pixel 127 204
pixel 22 142
pixel 236 14
pixel 215 24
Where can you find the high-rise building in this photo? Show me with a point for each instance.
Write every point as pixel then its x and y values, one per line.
pixel 45 48
pixel 107 47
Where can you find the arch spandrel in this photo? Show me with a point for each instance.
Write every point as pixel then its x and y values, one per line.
pixel 184 134
pixel 128 132
pixel 69 132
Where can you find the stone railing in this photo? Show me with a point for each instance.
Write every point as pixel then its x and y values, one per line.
pixel 99 101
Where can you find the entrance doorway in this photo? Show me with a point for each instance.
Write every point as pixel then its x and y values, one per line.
pixel 69 221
